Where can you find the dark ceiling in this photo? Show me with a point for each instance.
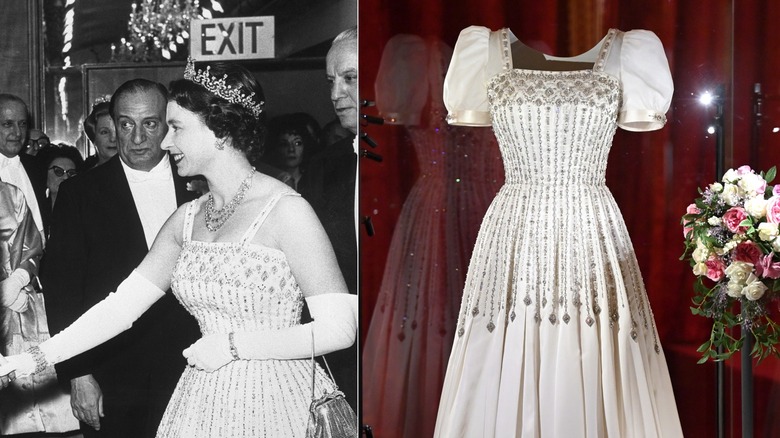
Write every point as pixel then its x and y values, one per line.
pixel 303 28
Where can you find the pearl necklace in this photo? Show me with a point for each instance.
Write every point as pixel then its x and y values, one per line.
pixel 215 218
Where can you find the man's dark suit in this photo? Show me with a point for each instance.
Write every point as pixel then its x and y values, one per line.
pixel 96 241
pixel 329 186
pixel 37 175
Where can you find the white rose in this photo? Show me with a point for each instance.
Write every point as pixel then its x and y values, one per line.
pixel 730 194
pixel 731 175
pixel 701 252
pixel 699 269
pixel 739 271
pixel 734 289
pixel 715 221
pixel 767 231
pixel 752 184
pixel 716 187
pixel 755 288
pixel 756 207
pixel 776 245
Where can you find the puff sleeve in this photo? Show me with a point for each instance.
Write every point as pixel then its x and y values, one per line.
pixel 465 92
pixel 647 82
pixel 401 86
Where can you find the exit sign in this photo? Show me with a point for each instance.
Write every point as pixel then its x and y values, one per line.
pixel 232 38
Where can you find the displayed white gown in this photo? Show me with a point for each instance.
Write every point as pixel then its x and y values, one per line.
pixel 555 335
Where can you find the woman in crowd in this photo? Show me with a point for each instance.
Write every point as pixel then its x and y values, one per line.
pixel 290 144
pixel 243 275
pixel 60 161
pixel 32 404
pixel 99 128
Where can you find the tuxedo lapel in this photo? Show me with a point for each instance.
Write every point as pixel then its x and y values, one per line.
pixel 37 176
pixel 117 196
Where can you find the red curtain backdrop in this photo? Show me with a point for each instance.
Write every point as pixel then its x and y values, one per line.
pixel 757 143
pixel 653 176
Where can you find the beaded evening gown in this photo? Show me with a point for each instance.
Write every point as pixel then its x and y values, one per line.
pixel 232 287
pixel 555 336
pixel 412 327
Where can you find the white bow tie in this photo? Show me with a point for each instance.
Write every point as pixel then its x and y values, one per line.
pixel 6 162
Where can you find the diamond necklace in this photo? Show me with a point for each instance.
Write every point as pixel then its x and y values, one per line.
pixel 215 218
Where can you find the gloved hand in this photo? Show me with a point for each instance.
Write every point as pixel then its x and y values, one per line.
pixel 106 319
pixel 209 353
pixel 19 365
pixel 11 295
pixel 6 379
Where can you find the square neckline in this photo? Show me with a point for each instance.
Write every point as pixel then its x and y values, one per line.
pixel 604 45
pixel 246 239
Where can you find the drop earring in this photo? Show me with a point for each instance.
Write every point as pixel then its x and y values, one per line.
pixel 220 144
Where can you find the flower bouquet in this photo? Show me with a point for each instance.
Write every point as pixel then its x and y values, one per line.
pixel 731 240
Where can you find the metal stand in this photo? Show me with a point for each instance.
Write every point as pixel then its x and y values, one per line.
pixel 747 362
pixel 720 155
pixel 747 386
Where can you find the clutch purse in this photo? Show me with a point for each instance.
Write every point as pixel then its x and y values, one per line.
pixel 330 416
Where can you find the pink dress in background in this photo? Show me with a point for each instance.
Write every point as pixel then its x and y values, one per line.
pixel 414 322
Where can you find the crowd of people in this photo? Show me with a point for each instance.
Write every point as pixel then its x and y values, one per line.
pixel 177 307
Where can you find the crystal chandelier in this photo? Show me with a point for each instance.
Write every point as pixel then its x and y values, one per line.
pixel 158 29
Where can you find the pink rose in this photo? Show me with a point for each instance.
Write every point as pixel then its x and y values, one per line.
pixel 735 215
pixel 773 210
pixel 742 170
pixel 747 252
pixel 765 268
pixel 692 209
pixel 715 268
pixel 776 190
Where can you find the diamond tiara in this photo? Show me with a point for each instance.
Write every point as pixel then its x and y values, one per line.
pixel 221 88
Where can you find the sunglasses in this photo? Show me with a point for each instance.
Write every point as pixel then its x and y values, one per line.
pixel 59 171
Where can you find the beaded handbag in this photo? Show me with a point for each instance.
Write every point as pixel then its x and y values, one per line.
pixel 330 416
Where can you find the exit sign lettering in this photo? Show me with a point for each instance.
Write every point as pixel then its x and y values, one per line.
pixel 232 38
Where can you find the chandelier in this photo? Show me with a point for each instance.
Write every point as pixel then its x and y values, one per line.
pixel 159 29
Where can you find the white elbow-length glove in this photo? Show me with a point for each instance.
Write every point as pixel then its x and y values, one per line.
pixel 11 294
pixel 334 326
pixel 106 319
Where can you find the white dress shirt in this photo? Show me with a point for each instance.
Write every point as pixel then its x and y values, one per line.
pixel 154 195
pixel 12 172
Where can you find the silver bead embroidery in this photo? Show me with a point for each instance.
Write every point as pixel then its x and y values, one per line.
pixel 555 130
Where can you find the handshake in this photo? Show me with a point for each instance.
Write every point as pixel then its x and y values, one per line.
pixel 18 365
pixel 7 372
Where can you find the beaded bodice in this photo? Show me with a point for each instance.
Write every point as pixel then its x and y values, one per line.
pixel 555 127
pixel 236 286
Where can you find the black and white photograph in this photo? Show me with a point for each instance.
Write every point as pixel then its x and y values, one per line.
pixel 178 210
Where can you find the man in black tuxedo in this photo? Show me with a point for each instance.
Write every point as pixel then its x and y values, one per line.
pixel 16 167
pixel 102 227
pixel 329 186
